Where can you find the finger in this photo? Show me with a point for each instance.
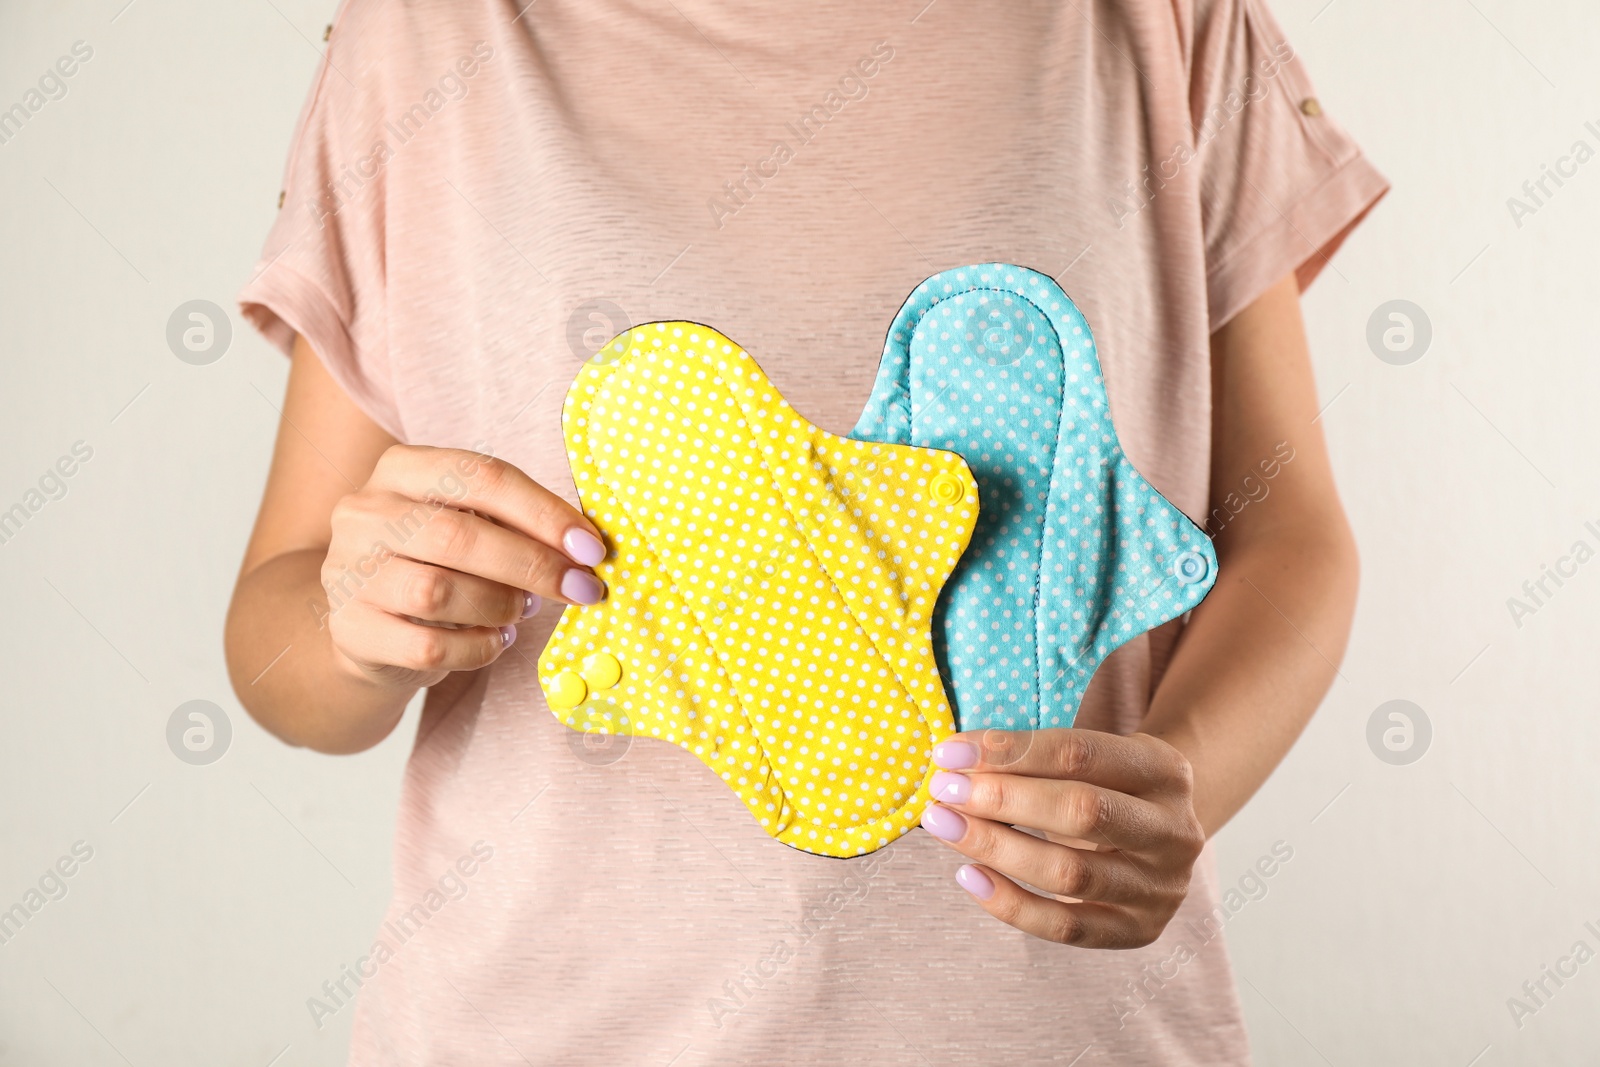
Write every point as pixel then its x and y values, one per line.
pixel 1137 763
pixel 375 639
pixel 472 545
pixel 1066 808
pixel 492 487
pixel 1085 925
pixel 403 586
pixel 1106 877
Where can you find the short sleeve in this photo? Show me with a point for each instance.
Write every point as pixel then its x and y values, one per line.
pixel 1281 183
pixel 321 271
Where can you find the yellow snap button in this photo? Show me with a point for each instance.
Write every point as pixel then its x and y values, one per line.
pixel 1310 107
pixel 948 489
pixel 601 670
pixel 566 690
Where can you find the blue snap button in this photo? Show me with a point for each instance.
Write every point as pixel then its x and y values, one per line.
pixel 1190 567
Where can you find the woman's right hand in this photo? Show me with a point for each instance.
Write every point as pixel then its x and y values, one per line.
pixel 435 560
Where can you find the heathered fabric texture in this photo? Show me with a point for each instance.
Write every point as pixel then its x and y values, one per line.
pixel 481 192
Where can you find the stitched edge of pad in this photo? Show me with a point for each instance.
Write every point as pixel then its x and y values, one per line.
pixel 1132 534
pixel 818 479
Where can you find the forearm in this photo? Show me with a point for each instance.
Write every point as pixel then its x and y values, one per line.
pixel 283 664
pixel 1254 662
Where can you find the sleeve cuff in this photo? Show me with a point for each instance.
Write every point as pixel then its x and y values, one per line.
pixel 1302 239
pixel 281 302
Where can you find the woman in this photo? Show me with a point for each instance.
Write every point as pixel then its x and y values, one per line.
pixel 478 195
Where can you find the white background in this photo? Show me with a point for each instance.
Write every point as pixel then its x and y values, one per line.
pixel 1419 897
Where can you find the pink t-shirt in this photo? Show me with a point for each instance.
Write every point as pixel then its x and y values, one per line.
pixel 481 191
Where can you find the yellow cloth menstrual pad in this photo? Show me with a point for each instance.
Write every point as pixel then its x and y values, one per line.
pixel 770 589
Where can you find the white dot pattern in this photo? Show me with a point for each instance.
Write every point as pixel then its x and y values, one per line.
pixel 771 587
pixel 1075 554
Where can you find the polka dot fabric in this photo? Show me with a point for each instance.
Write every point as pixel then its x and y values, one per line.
pixel 1075 553
pixel 771 589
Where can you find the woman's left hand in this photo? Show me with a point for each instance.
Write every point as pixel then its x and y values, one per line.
pixel 1120 831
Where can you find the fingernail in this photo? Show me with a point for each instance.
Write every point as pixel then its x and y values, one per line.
pixel 582 587
pixel 955 755
pixel 943 823
pixel 974 881
pixel 584 547
pixel 530 605
pixel 950 788
pixel 508 634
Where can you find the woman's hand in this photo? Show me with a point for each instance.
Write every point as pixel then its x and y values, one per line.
pixel 423 570
pixel 1120 831
pixel 434 561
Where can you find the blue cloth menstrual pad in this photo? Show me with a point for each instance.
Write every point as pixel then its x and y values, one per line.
pixel 1074 553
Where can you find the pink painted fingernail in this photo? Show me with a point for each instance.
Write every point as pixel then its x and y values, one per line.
pixel 943 823
pixel 950 788
pixel 508 634
pixel 955 755
pixel 582 587
pixel 531 605
pixel 974 881
pixel 584 547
